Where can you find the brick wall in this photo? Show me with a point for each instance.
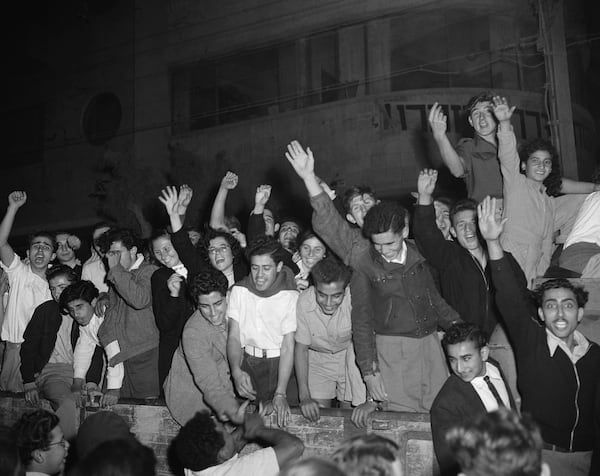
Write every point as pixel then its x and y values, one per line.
pixel 154 427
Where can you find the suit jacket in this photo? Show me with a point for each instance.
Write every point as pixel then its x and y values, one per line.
pixel 456 402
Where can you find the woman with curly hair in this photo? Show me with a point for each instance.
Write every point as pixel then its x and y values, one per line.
pixel 223 251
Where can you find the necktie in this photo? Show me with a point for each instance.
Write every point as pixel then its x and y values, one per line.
pixel 494 391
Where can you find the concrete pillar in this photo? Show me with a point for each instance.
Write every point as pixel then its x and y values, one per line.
pixel 378 56
pixel 351 51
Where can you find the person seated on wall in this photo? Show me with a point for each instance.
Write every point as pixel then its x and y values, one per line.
pixel 47 354
pixel 324 355
pixel 199 378
pixel 42 445
pixel 499 443
pixel 206 447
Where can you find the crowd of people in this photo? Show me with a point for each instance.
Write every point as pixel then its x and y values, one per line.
pixel 350 312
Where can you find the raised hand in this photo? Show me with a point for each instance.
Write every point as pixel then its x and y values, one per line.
pixel 426 181
pixel 490 224
pixel 302 161
pixel 185 197
pixel 263 193
pixel 168 197
pixel 17 199
pixel 74 242
pixel 238 235
pixel 113 258
pixel 502 110
pixel 438 121
pixel 230 181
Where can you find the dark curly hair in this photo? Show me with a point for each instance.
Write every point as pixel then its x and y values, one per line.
pixel 553 182
pixel 581 295
pixel 128 237
pixel 62 270
pixel 207 281
pixel 120 457
pixel 464 332
pixel 356 191
pixel 32 432
pixel 383 217
pixel 198 443
pixel 331 270
pixel 484 96
pixel 236 249
pixel 80 290
pixel 265 245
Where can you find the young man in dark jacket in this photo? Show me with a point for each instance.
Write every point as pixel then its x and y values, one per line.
pixel 47 353
pixel 559 369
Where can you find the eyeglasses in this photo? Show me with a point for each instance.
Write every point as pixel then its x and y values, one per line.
pixel 61 442
pixel 221 250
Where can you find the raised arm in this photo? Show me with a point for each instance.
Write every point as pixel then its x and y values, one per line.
pixel 569 186
pixel 507 142
pixel 256 222
pixel 217 214
pixel 15 201
pixel 438 122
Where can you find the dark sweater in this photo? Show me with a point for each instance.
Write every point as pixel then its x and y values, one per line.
pixel 562 397
pixel 40 338
pixel 170 314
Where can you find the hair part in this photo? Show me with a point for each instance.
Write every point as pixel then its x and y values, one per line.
pixel 581 295
pixel 498 444
pixel 460 332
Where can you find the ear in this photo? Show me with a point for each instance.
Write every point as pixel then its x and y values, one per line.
pixel 279 266
pixel 38 456
pixel 523 166
pixel 453 232
pixel 470 121
pixel 350 218
pixel 93 303
pixel 484 352
pixel 133 251
pixel 53 257
pixel 276 227
pixel 541 314
pixel 405 232
pixel 579 314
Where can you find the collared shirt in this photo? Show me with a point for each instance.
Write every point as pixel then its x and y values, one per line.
pixel 93 270
pixel 484 392
pixel 181 270
pixel 402 259
pixel 482 169
pixel 263 321
pixel 27 291
pixel 579 350
pixel 319 331
pixel 63 349
pixel 138 262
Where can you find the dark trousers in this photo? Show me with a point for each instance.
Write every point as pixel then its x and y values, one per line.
pixel 141 376
pixel 264 373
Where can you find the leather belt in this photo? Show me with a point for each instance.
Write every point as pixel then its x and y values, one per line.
pixel 559 449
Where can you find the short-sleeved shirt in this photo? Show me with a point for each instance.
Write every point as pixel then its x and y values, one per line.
pixel 263 462
pixel 27 291
pixel 263 321
pixel 319 331
pixel 482 169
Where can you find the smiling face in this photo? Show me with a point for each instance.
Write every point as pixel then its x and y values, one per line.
pixel 464 229
pixel 213 307
pixel 219 254
pixel 330 296
pixel 538 166
pixel 81 310
pixel 41 252
pixel 389 244
pixel 312 250
pixel 263 271
pixel 164 252
pixel 359 206
pixel 288 232
pixel 57 285
pixel 466 360
pixel 64 253
pixel 482 119
pixel 560 313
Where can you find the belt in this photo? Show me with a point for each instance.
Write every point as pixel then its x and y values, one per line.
pixel 559 449
pixel 262 353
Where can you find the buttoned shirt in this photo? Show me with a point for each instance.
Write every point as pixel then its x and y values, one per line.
pixel 63 349
pixel 484 392
pixel 27 291
pixel 320 332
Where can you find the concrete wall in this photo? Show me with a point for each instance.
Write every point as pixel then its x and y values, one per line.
pixel 153 426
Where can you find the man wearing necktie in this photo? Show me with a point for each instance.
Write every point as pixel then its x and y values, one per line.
pixel 475 387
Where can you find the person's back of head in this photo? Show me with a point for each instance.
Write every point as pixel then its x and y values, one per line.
pixel 311 466
pixel 100 427
pixel 121 457
pixel 367 455
pixel 10 462
pixel 198 443
pixel 498 444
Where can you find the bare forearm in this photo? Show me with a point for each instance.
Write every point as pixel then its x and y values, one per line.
pixel 217 214
pixel 449 156
pixel 286 361
pixel 312 185
pixel 573 186
pixel 301 365
pixel 495 250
